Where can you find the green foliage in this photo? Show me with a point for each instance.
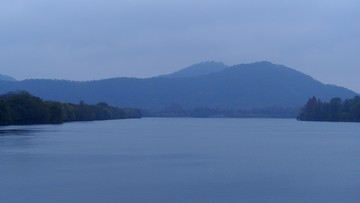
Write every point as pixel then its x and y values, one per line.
pixel 23 108
pixel 335 110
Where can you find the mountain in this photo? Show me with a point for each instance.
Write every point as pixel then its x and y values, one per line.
pixel 6 78
pixel 198 69
pixel 258 85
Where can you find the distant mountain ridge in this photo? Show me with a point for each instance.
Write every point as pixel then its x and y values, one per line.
pixel 6 78
pixel 198 69
pixel 240 87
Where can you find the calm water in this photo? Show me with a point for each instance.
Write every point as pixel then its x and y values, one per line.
pixel 181 160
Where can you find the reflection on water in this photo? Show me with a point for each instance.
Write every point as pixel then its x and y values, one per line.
pixel 22 138
pixel 15 131
pixel 16 137
pixel 181 161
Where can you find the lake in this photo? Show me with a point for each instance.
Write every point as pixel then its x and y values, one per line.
pixel 181 160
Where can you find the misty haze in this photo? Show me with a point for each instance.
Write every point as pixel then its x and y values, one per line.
pixel 179 101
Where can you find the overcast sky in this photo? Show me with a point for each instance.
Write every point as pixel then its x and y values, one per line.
pixel 86 40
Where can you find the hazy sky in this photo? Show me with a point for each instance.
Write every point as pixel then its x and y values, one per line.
pixel 85 40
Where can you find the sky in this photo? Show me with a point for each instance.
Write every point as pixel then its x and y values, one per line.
pixel 97 39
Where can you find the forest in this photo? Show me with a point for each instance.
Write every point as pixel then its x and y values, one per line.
pixel 22 108
pixel 336 110
pixel 176 110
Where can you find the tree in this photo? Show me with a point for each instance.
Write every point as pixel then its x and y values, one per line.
pixel 335 110
pixel 24 108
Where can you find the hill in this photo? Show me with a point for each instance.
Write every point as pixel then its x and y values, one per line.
pixel 198 69
pixel 240 88
pixel 6 78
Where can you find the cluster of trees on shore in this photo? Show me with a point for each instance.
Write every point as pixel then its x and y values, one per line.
pixel 177 110
pixel 335 110
pixel 22 108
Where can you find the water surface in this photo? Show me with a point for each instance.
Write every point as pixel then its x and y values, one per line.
pixel 180 161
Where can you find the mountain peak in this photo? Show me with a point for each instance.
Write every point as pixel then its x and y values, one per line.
pixel 260 85
pixel 260 64
pixel 264 63
pixel 198 69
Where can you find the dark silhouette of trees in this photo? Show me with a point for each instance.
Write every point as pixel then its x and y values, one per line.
pixel 335 110
pixel 23 108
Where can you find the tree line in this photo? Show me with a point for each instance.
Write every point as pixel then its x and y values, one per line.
pixel 176 110
pixel 335 110
pixel 22 108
